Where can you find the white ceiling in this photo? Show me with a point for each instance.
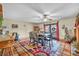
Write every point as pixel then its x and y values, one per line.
pixel 31 12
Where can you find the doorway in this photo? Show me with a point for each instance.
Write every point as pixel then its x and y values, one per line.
pixel 52 30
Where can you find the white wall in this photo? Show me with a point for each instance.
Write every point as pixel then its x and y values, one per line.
pixel 24 31
pixel 68 23
pixel 23 28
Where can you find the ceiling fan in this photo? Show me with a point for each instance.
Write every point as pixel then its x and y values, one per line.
pixel 44 18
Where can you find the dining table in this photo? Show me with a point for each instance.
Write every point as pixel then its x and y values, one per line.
pixel 6 41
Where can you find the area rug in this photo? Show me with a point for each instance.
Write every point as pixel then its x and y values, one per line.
pixel 34 49
pixel 23 48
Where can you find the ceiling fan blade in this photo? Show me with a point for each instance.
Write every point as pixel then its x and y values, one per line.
pixel 32 17
pixel 51 17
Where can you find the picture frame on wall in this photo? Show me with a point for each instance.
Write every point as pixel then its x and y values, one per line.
pixel 14 26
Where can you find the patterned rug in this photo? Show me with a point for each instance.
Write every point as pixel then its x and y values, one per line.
pixel 24 48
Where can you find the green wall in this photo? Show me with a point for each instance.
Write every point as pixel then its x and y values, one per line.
pixel 1 19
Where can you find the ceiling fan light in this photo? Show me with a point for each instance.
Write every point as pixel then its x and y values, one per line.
pixel 45 20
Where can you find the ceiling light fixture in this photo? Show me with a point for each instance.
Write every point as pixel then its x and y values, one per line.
pixel 45 18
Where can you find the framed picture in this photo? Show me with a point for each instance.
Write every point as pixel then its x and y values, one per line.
pixel 14 26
